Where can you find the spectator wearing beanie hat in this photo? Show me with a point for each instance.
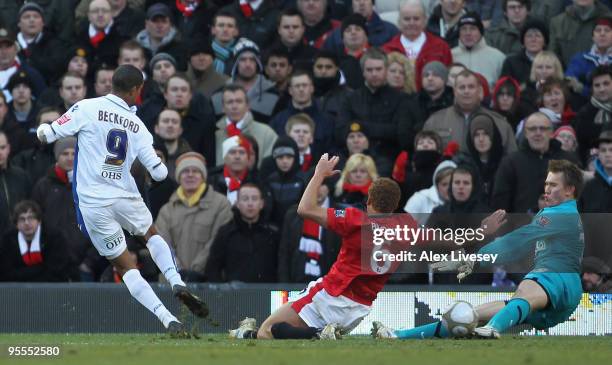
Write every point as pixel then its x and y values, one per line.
pixel 38 47
pixel 162 66
pixel 434 95
pixel 582 64
pixel 190 220
pixel 534 38
pixel 473 51
pixel 247 72
pixel 355 41
pixel 227 178
pixel 201 71
pixel 506 35
pixel 23 106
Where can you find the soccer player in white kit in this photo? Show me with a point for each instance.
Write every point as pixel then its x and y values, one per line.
pixel 109 138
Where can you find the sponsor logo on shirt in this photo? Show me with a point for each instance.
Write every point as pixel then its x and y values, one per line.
pixel 64 119
pixel 339 213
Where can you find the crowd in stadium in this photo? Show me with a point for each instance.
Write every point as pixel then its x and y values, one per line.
pixel 463 103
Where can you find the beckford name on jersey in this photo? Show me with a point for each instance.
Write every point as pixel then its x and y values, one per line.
pixel 115 118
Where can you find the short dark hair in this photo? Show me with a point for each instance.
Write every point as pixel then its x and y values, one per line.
pixel 468 73
pixel 126 78
pixel 232 88
pixel 572 175
pixel 298 73
pixel 289 12
pixel 330 55
pixel 601 70
pixel 279 52
pixel 166 108
pixel 24 206
pixel 181 76
pixel 373 54
pixel 103 67
pixel 251 185
pixel 384 195
pixel 224 13
pixel 70 74
pixel 527 4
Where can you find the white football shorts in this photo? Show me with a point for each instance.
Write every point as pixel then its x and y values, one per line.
pixel 104 224
pixel 317 308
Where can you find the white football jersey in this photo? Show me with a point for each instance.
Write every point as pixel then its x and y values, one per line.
pixel 109 138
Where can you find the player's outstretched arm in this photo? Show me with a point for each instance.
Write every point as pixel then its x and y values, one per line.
pixel 69 124
pixel 308 207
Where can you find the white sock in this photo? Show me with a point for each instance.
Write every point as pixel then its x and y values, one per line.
pixel 162 256
pixel 142 292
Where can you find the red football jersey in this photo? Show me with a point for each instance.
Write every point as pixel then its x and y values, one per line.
pixel 348 276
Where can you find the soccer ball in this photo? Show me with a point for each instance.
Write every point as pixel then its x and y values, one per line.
pixel 460 319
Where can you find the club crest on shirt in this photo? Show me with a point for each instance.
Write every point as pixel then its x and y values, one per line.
pixel 543 221
pixel 339 213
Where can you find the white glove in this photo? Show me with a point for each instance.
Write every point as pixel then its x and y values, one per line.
pixel 45 133
pixel 463 268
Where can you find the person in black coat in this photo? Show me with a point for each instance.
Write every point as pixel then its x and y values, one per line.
pixel 534 37
pixel 329 92
pixel 521 175
pixel 31 252
pixel 99 37
pixel 485 152
pixel 246 248
pixel 379 107
pixel 259 25
pixel 284 187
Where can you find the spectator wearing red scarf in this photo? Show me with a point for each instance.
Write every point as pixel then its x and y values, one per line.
pixel 31 252
pixel 355 180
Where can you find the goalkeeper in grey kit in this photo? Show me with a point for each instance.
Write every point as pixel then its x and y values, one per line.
pixel 550 293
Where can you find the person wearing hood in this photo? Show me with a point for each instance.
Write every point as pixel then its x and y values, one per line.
pixel 464 209
pixel 284 187
pixel 420 169
pixel 521 174
pixel 567 136
pixel 355 180
pixel 507 101
pixel 246 248
pixel 423 202
pixel 473 50
pixel 534 39
pixel 330 90
pixel 485 152
pixel 247 72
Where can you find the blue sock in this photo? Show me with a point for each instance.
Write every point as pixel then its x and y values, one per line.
pixel 514 313
pixel 435 329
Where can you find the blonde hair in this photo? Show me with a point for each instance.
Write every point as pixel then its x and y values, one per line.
pixel 354 162
pixel 546 56
pixel 409 84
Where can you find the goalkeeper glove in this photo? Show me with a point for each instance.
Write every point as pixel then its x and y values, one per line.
pixel 462 267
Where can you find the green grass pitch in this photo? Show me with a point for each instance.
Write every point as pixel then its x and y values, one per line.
pixel 151 349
